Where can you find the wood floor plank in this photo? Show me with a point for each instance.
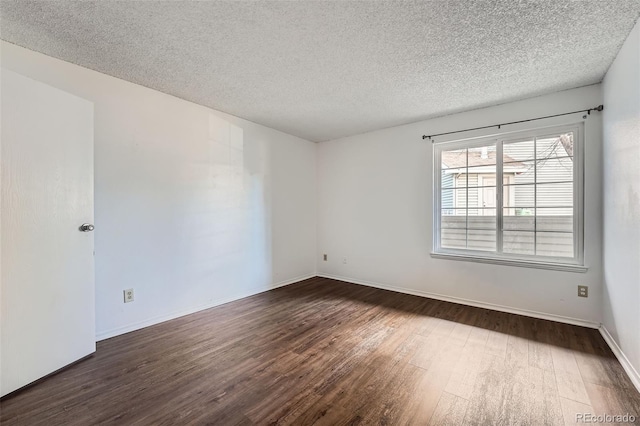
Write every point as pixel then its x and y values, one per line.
pixel 332 353
pixel 485 404
pixel 419 409
pixel 607 401
pixel 450 410
pixel 540 355
pixel 568 377
pixel 432 384
pixel 571 409
pixel 545 401
pixel 387 404
pixel 428 348
pixel 517 395
pixel 464 375
pixel 571 386
pixel 497 344
pixel 564 361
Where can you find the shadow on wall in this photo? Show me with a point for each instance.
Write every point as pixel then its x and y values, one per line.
pixel 227 246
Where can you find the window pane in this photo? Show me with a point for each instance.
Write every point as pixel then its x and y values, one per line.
pixel 463 196
pixel 447 179
pixel 473 197
pixel 517 151
pixel 483 156
pixel 554 219
pixel 486 220
pixel 549 170
pixel 468 167
pixel 453 198
pixel 508 192
pixel 461 180
pixel 485 196
pixel 475 168
pixel 452 221
pixel 454 212
pixel 478 174
pixel 555 195
pixel 455 175
pixel 556 244
pixel 454 160
pixel 554 170
pixel 520 172
pixel 520 199
pixel 455 218
pixel 482 168
pixel 560 145
pixel 481 212
pixel 453 238
pixel 520 221
pixel 484 240
pixel 518 242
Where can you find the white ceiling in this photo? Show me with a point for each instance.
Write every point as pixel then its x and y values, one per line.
pixel 326 69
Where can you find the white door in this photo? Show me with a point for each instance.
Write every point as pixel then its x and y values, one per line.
pixel 488 195
pixel 47 269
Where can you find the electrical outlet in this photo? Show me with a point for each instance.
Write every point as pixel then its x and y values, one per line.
pixel 583 291
pixel 344 260
pixel 128 295
pixel 324 257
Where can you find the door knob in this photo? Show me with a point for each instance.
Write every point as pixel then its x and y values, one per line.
pixel 86 227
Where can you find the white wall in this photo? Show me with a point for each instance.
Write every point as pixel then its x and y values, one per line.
pixel 193 207
pixel 375 209
pixel 621 124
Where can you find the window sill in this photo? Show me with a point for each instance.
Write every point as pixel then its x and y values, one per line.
pixel 511 262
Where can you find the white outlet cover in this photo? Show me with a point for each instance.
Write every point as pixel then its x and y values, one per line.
pixel 128 295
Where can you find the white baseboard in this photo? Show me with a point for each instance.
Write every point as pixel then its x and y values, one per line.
pixel 162 318
pixel 527 313
pixel 626 364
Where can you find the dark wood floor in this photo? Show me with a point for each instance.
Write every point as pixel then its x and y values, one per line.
pixel 328 352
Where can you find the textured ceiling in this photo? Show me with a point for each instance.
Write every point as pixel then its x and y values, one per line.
pixel 326 69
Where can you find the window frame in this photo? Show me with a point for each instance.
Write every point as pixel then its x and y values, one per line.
pixel 574 264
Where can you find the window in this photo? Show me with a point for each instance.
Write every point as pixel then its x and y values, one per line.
pixel 514 198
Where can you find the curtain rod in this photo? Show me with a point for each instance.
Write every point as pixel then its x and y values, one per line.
pixel 588 111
